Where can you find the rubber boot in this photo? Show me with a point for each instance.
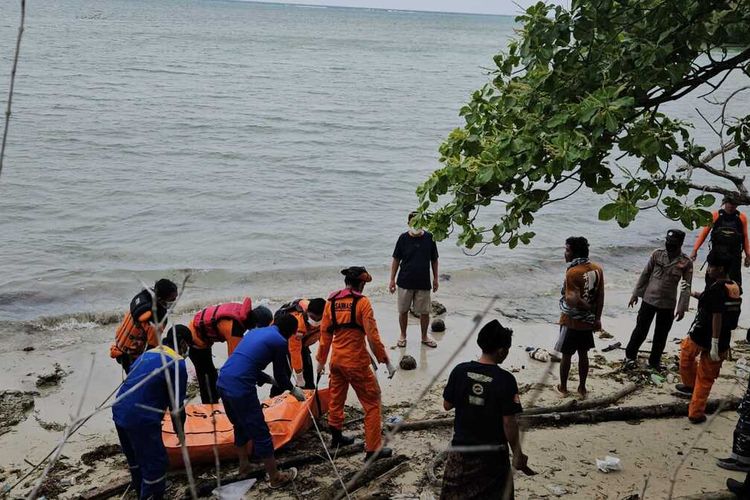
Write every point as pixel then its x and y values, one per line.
pixel 384 453
pixel 338 439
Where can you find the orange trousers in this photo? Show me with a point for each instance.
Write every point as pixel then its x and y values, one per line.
pixel 365 385
pixel 698 371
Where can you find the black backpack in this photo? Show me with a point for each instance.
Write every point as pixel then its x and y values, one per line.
pixel 290 307
pixel 727 232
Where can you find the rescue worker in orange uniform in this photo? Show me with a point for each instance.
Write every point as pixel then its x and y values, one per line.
pixel 347 321
pixel 225 322
pixel 308 314
pixel 139 329
pixel 704 349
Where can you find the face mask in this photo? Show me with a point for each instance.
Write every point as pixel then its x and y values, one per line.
pixel 415 232
pixel 312 322
pixel 672 247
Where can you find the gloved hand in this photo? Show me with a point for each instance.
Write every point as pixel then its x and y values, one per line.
pixel 391 369
pixel 300 377
pixel 297 393
pixel 715 350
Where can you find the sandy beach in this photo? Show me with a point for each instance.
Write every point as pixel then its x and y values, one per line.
pixel 650 450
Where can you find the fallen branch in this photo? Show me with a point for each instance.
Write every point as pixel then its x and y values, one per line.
pixel 574 416
pixel 586 404
pixel 361 477
pixel 622 413
pixel 206 487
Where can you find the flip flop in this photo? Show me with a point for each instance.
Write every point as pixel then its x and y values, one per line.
pixel 293 473
pixel 401 343
pixel 430 343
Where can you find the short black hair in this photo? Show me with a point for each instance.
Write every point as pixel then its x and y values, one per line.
pixel 316 306
pixel 718 258
pixel 164 288
pixel 579 246
pixel 260 317
pixel 182 333
pixel 494 336
pixel 287 325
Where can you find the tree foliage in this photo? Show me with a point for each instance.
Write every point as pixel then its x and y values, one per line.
pixel 576 96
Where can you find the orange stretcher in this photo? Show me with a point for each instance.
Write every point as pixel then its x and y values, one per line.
pixel 207 427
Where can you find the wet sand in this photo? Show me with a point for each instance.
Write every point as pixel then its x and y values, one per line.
pixel 564 458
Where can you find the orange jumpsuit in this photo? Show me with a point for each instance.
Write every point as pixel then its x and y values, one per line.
pixel 305 337
pixel 200 354
pixel 350 362
pixel 699 371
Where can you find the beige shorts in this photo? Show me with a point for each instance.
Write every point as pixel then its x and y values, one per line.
pixel 420 299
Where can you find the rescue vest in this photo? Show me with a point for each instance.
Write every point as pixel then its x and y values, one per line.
pixel 297 305
pixel 727 231
pixel 205 321
pixel 352 323
pixel 132 336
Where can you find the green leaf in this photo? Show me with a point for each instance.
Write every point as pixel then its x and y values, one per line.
pixel 608 211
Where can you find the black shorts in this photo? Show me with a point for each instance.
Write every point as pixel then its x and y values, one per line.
pixel 577 340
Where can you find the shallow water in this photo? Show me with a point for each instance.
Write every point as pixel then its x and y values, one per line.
pixel 261 147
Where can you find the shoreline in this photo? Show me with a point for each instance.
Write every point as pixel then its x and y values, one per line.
pixel 74 349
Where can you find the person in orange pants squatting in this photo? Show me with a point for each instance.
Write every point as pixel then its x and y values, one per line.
pixel 347 320
pixel 707 343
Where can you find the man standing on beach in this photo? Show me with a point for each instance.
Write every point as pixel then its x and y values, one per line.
pixel 348 320
pixel 728 232
pixel 486 401
pixel 704 349
pixel 415 254
pixel 581 306
pixel 657 286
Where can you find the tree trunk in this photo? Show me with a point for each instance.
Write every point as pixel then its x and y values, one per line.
pixel 573 416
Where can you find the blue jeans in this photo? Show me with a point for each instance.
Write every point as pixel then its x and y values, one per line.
pixel 246 416
pixel 147 459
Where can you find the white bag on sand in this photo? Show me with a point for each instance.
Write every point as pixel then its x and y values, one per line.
pixel 608 464
pixel 234 491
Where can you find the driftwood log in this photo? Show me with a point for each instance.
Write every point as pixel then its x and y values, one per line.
pixel 569 417
pixel 374 471
pixel 586 404
pixel 206 487
pixel 622 413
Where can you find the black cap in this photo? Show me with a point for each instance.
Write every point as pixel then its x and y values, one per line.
pixel 357 273
pixel 494 336
pixel 675 236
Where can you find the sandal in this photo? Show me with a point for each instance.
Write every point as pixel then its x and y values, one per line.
pixel 289 475
pixel 430 343
pixel 401 342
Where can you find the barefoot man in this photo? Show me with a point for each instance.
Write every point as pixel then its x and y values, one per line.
pixel 581 306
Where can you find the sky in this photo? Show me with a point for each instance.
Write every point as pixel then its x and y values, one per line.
pixel 507 7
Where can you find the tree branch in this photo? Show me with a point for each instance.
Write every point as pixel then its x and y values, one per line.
pixel 741 198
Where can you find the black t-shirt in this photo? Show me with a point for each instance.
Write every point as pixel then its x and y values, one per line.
pixel 415 254
pixel 716 299
pixel 481 394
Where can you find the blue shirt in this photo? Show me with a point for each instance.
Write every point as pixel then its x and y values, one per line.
pixel 244 368
pixel 134 410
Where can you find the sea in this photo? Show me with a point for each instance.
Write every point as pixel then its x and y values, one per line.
pixel 255 149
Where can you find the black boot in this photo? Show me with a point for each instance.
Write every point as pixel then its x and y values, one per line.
pixel 384 453
pixel 338 439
